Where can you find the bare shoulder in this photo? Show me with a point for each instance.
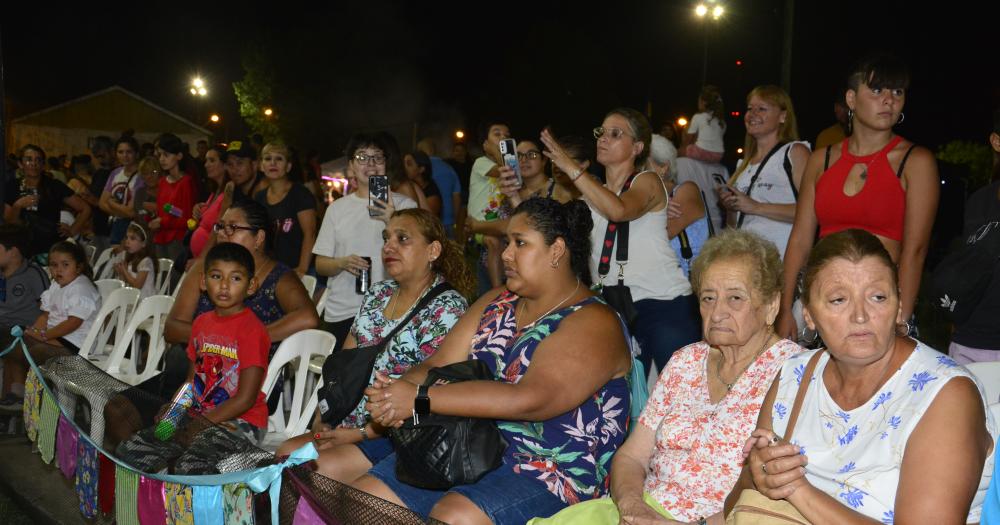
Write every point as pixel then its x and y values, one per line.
pixel 799 152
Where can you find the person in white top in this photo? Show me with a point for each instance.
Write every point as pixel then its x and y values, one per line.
pixel 136 264
pixel 762 198
pixel 667 310
pixel 117 198
pixel 68 309
pixel 886 424
pixel 349 233
pixel 703 140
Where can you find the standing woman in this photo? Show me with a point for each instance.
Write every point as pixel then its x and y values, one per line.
pixel 874 180
pixel 291 207
pixel 419 170
pixel 762 198
pixel 119 192
pixel 667 318
pixel 174 200
pixel 207 213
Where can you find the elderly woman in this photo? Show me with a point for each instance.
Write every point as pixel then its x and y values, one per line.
pixel 561 395
pixel 658 286
pixel 417 257
pixel 886 424
pixel 682 458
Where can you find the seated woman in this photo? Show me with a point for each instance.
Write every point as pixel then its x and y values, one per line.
pixel 417 257
pixel 561 396
pixel 887 424
pixel 685 453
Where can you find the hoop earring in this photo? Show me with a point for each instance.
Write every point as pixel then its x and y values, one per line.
pixel 902 117
pixel 903 329
pixel 554 264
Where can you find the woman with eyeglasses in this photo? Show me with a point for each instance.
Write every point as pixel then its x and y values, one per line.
pixel 666 308
pixel 35 199
pixel 352 231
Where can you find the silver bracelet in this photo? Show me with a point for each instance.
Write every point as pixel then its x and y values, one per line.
pixel 364 433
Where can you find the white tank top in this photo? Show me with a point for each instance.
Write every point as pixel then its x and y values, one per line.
pixel 855 456
pixel 653 271
pixel 773 187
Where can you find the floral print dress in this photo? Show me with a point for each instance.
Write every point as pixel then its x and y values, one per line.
pixel 414 343
pixel 570 453
pixel 855 455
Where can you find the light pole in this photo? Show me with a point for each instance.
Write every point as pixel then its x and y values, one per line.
pixel 714 9
pixel 198 90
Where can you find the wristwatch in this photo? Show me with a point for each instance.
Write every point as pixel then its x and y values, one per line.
pixel 422 404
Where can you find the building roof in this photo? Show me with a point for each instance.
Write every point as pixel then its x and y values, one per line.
pixel 114 109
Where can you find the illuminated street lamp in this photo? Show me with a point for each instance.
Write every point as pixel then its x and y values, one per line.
pixel 682 122
pixel 703 10
pixel 459 134
pixel 198 87
pixel 268 112
pixel 214 118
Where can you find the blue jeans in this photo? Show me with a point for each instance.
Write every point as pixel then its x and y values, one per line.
pixel 503 495
pixel 663 327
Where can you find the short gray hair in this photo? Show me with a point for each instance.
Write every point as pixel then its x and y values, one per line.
pixel 759 254
pixel 662 151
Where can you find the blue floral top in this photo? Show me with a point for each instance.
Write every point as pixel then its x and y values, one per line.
pixel 570 453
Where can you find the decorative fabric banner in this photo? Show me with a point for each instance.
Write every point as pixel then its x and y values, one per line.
pixel 305 514
pixel 150 502
pixel 178 500
pixel 238 504
pixel 32 400
pixel 47 428
pixel 86 478
pixel 106 485
pixel 207 505
pixel 126 497
pixel 67 440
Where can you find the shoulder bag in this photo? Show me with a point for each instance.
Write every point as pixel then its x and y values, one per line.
pixel 618 296
pixel 756 174
pixel 346 374
pixel 754 508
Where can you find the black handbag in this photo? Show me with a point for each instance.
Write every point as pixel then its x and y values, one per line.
pixel 346 374
pixel 618 296
pixel 439 452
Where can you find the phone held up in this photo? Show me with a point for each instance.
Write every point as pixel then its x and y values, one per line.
pixel 508 152
pixel 378 189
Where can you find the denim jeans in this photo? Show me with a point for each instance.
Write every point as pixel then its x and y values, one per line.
pixel 663 327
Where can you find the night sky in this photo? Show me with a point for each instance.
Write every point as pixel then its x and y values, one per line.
pixel 388 65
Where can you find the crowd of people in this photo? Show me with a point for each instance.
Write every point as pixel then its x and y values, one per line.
pixel 777 306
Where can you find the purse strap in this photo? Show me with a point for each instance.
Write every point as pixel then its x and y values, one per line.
pixel 801 394
pixel 616 232
pixel 424 301
pixel 756 174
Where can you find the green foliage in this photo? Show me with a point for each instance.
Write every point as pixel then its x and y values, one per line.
pixel 978 158
pixel 255 92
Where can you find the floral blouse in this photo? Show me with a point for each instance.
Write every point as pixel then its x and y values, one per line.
pixel 571 452
pixel 855 455
pixel 418 341
pixel 698 451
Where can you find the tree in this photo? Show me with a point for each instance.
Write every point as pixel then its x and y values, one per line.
pixel 255 93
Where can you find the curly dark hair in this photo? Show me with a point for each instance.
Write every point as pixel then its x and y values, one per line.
pixel 570 221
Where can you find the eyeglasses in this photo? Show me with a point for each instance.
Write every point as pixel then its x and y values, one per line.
pixel 529 155
pixel 231 229
pixel 614 133
pixel 377 158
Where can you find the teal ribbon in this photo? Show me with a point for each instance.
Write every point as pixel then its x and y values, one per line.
pixel 18 338
pixel 269 478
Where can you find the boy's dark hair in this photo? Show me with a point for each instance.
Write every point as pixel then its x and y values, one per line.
pixel 14 236
pixel 231 252
pixel 489 122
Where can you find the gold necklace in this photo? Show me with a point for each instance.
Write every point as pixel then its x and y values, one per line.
pixel 551 309
pixel 718 367
pixel 393 302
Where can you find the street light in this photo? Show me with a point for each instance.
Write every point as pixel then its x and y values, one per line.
pixel 214 118
pixel 459 134
pixel 268 112
pixel 198 87
pixel 682 122
pixel 702 11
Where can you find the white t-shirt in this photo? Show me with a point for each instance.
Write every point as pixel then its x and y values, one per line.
pixel 773 187
pixel 348 230
pixel 709 130
pixel 145 265
pixel 484 193
pixel 79 299
pixel 708 177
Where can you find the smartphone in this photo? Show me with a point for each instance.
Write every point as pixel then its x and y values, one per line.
pixel 378 189
pixel 508 152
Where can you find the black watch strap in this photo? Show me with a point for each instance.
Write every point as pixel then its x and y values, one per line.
pixel 422 404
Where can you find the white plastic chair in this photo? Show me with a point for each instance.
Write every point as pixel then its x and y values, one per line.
pixel 149 317
pixel 988 374
pixel 162 281
pixel 310 283
pixel 101 268
pixel 321 303
pixel 106 286
pixel 302 346
pixel 91 252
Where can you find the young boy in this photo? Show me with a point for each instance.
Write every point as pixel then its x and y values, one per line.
pixel 229 354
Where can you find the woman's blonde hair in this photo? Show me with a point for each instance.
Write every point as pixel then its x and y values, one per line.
pixel 788 131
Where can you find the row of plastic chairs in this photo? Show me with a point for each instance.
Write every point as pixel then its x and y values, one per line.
pixel 104 270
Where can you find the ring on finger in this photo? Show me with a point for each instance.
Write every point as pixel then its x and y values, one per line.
pixel 763 467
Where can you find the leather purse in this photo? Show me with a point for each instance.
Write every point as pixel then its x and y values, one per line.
pixel 347 373
pixel 437 452
pixel 754 508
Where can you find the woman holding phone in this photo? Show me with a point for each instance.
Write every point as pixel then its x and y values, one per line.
pixel 350 232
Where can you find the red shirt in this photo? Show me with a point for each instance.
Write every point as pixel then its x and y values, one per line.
pixel 178 195
pixel 222 348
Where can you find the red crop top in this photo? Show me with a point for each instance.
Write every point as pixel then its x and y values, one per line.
pixel 878 208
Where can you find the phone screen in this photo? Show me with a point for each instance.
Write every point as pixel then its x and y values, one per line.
pixel 508 152
pixel 378 189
